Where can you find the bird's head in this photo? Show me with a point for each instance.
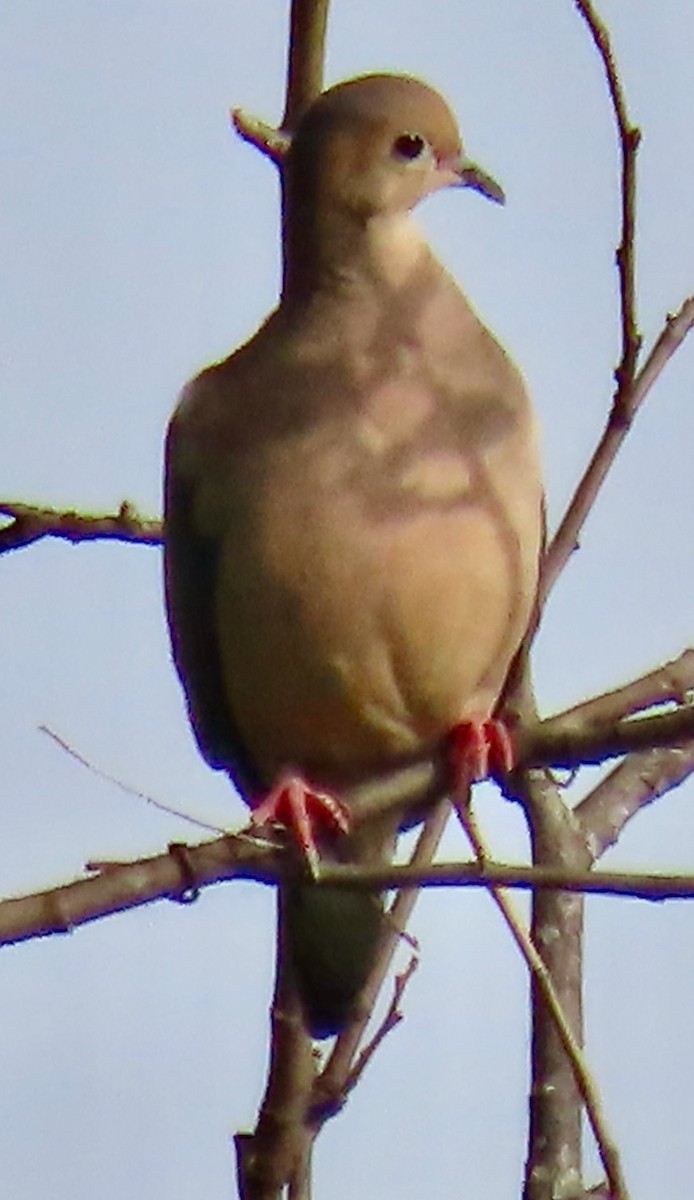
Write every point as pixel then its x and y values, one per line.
pixel 377 145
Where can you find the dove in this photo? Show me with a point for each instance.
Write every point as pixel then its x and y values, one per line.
pixel 353 515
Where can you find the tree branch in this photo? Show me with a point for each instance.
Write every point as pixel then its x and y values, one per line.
pixel 271 142
pixel 632 785
pixel 117 886
pixel 635 885
pixel 568 1034
pixel 554 1159
pixel 308 25
pixel 628 400
pixel 562 741
pixel 277 1153
pixel 553 743
pixel 629 139
pixel 339 1077
pixel 391 1019
pixel 672 683
pixel 29 523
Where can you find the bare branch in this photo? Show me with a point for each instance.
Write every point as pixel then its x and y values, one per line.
pixel 566 740
pixel 120 886
pixel 277 1154
pixel 308 24
pixel 655 887
pixel 555 1157
pixel 331 1086
pixel 270 141
pixel 417 783
pixel 392 1018
pixel 128 885
pixel 624 409
pixel 671 683
pixel 566 538
pixel 117 886
pixel 126 787
pixel 631 389
pixel 553 744
pixel 542 982
pixel 629 139
pixel 632 785
pixel 29 523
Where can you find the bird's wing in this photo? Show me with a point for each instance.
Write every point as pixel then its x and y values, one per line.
pixel 190 567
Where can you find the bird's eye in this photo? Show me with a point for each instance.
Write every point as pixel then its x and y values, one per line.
pixel 408 146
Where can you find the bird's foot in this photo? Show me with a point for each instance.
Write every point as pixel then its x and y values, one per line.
pixel 303 809
pixel 478 747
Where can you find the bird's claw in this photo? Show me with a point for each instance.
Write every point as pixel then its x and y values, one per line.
pixel 300 807
pixel 479 747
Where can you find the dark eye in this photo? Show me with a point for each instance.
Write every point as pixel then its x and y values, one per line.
pixel 408 146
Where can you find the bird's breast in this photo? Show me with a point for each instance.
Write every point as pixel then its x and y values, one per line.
pixel 374 580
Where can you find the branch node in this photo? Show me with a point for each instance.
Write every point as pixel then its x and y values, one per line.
pixel 189 890
pixel 634 137
pixel 273 143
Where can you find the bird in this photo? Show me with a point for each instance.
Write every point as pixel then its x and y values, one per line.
pixel 353 515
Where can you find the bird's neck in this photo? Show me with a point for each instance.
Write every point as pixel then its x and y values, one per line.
pixel 331 252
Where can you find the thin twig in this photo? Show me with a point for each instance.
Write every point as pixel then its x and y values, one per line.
pixel 585 1083
pixel 565 540
pixel 636 885
pixel 629 139
pixel 632 388
pixel 672 683
pixel 392 1018
pixel 330 1087
pixel 269 141
pixel 126 787
pixel 29 523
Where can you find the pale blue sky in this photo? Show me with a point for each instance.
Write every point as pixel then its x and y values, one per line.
pixel 139 240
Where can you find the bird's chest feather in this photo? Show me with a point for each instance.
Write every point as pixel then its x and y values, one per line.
pixel 355 552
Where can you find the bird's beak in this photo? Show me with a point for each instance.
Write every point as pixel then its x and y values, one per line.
pixel 470 175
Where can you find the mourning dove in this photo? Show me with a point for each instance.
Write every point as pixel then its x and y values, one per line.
pixel 353 512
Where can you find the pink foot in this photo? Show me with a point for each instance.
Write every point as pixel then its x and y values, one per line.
pixel 478 747
pixel 301 808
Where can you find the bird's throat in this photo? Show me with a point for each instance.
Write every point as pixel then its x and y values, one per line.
pixel 339 252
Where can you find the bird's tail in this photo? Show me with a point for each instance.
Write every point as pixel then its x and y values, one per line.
pixel 332 935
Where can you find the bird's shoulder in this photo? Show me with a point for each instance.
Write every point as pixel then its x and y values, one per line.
pixel 223 406
pixel 223 383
